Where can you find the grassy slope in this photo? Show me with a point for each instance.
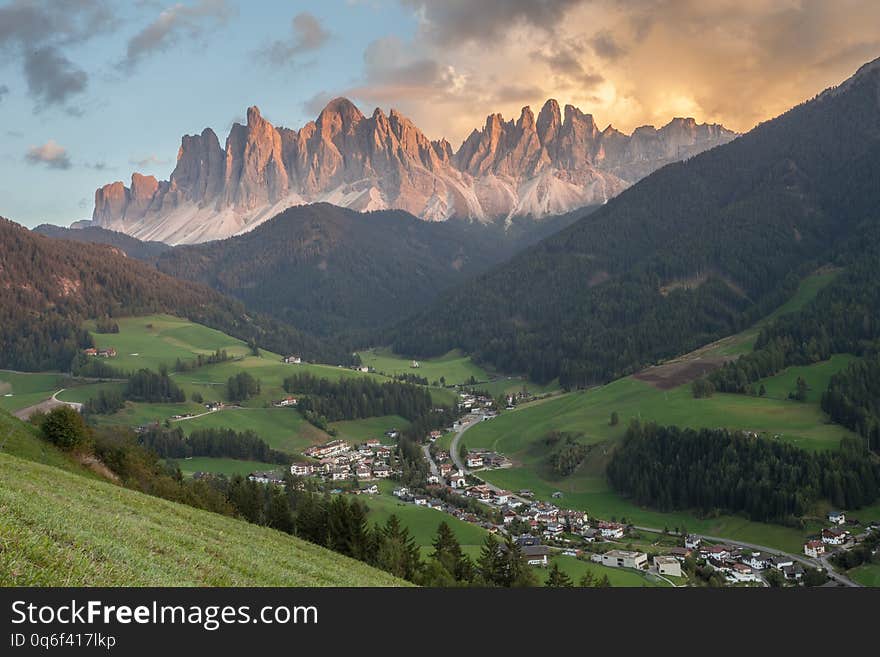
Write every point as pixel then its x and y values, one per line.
pixel 372 427
pixel 121 537
pixel 21 440
pixel 455 367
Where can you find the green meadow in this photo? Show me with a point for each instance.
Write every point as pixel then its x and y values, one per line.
pixel 620 577
pixel 866 575
pixel 154 340
pixel 223 466
pixel 20 390
pixel 283 429
pixel 455 367
pixel 359 431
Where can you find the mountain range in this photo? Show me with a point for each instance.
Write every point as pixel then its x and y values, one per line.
pixel 534 167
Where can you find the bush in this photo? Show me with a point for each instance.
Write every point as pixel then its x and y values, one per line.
pixel 65 428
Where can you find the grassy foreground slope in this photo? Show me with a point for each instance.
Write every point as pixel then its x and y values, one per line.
pixel 58 528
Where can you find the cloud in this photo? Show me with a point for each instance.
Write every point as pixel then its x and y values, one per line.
pixel 3 91
pixel 307 35
pixel 51 154
pixel 51 77
pixel 314 105
pixel 458 21
pixel 172 23
pixel 149 160
pixel 628 62
pixel 605 45
pixel 37 32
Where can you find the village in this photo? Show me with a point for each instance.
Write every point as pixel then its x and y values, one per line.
pixel 542 529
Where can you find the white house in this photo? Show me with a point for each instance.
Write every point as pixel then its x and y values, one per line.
pixel 837 517
pixel 668 566
pixel 625 559
pixel 814 549
pixel 834 536
pixel 474 461
pixel 293 360
pixel 611 530
pixel 757 560
pixel 692 542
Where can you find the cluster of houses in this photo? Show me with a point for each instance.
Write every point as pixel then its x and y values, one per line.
pixel 478 406
pixel 338 460
pixel 740 565
pixel 105 352
pixel 834 536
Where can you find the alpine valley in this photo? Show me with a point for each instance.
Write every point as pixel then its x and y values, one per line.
pixel 350 355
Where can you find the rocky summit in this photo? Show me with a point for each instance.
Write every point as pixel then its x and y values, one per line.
pixel 534 166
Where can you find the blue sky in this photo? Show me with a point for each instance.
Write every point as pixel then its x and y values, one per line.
pixel 133 120
pixel 91 90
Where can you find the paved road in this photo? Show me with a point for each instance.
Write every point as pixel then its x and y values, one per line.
pixel 453 447
pixel 806 561
pixel 426 449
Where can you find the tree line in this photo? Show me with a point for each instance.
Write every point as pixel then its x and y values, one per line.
pixel 669 468
pixel 217 443
pixel 853 399
pixel 355 398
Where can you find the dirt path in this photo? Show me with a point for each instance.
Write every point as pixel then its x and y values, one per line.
pixel 46 405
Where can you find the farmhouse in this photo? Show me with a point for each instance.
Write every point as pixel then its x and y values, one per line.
pixel 834 536
pixel 668 566
pixel 474 461
pixel 625 559
pixel 287 401
pixel 692 541
pixel 293 360
pixel 837 517
pixel 814 549
pixel 536 555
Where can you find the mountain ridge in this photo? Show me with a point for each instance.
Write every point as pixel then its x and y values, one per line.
pixel 534 167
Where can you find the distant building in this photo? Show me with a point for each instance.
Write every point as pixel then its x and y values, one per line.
pixel 301 469
pixel 668 566
pixel 837 517
pixel 267 478
pixel 625 559
pixel 814 549
pixel 293 360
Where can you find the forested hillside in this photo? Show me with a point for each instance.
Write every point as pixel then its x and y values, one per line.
pixel 695 251
pixel 48 287
pixel 327 269
pixel 131 246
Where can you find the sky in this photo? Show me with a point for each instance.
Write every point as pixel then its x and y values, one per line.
pixel 91 90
